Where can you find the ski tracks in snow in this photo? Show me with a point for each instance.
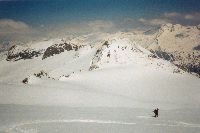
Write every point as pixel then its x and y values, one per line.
pixel 19 127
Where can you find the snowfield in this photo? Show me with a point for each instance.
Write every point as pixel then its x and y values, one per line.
pixel 42 119
pixel 112 88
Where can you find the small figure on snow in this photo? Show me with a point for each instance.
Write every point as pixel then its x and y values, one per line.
pixel 156 112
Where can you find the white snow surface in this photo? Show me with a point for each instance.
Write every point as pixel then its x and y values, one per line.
pixel 118 96
pixel 128 77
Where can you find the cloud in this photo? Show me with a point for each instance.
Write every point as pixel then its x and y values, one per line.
pixel 12 30
pixel 15 31
pixel 171 15
pixel 187 16
pixel 141 24
pixel 191 19
pixel 78 28
pixel 153 22
pixel 20 31
pixel 183 18
pixel 100 25
pixel 131 24
pixel 194 16
pixel 9 26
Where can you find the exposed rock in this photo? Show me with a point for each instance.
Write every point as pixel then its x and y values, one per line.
pixel 92 67
pixel 59 48
pixel 41 74
pixel 181 35
pixel 152 56
pixel 117 51
pixel 197 47
pixel 164 55
pixel 191 68
pixel 15 53
pixel 25 81
pixel 189 63
pixel 106 43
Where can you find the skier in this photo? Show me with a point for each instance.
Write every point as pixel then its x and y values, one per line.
pixel 156 112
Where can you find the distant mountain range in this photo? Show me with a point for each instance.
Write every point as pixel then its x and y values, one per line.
pixel 180 45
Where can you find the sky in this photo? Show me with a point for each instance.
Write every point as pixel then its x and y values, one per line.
pixel 30 19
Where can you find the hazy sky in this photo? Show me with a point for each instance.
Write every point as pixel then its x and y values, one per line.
pixel 35 18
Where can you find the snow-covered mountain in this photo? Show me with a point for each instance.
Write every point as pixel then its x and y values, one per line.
pixel 124 51
pixel 54 55
pixel 102 79
pixel 94 70
pixel 179 44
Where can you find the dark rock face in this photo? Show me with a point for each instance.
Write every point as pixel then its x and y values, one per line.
pixel 59 48
pixel 197 47
pixel 163 55
pixel 23 54
pixel 106 43
pixel 189 64
pixel 181 35
pixel 93 67
pixel 41 74
pixel 25 81
pixel 97 56
pixel 194 68
pixel 152 56
pixel 191 68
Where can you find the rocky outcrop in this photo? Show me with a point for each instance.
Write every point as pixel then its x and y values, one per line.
pixel 179 45
pixel 191 68
pixel 189 63
pixel 34 78
pixel 16 53
pixel 197 48
pixel 164 55
pixel 41 74
pixel 25 81
pixel 59 48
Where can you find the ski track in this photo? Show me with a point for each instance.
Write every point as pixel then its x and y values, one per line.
pixel 17 127
pixel 68 121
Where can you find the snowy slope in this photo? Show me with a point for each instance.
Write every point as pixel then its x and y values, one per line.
pixel 95 83
pixel 124 51
pixel 130 76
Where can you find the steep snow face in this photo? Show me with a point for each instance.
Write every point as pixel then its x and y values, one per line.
pixel 118 51
pixel 123 51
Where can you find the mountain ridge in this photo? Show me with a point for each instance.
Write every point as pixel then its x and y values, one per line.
pixel 166 43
